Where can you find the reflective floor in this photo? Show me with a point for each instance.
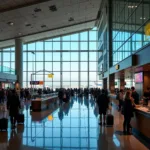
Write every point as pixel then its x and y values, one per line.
pixel 73 126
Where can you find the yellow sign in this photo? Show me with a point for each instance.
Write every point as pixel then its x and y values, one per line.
pixel 50 117
pixel 50 75
pixel 147 29
pixel 117 67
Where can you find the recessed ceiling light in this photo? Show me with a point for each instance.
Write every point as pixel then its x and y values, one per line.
pixel 53 8
pixel 132 6
pixel 43 26
pixel 71 19
pixel 37 10
pixel 10 23
pixel 27 25
pixel 142 18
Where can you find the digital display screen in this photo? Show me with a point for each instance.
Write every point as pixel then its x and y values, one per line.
pixel 139 77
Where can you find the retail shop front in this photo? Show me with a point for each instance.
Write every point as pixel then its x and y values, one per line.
pixel 136 72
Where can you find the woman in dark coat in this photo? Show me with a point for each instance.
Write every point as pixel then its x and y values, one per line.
pixel 127 111
pixel 13 105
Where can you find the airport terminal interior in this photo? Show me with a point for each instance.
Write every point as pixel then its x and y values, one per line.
pixel 75 74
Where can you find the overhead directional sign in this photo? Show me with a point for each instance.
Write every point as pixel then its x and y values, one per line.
pixel 36 82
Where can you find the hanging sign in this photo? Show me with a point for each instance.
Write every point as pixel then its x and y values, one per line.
pixel 50 75
pixel 147 29
pixel 36 82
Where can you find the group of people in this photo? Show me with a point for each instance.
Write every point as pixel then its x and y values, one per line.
pixel 127 101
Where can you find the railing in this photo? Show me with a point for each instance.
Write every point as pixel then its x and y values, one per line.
pixel 8 70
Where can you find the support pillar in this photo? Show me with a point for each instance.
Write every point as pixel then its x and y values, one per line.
pixel 19 61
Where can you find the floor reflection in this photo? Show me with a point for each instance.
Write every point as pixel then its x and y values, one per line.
pixel 71 126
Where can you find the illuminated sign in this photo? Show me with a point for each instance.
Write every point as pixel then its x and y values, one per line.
pixel 50 117
pixel 147 29
pixel 50 75
pixel 36 82
pixel 117 67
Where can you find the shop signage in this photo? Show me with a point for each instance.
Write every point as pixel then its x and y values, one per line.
pixel 36 82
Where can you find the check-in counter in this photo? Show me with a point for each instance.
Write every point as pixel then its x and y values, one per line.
pixel 40 104
pixel 38 116
pixel 141 122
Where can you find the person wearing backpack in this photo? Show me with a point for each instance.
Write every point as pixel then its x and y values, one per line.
pixel 135 96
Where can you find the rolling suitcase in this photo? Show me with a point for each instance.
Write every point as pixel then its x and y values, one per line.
pixel 3 124
pixel 110 120
pixel 20 118
pixel 4 121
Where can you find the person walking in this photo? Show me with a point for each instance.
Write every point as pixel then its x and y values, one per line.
pixel 103 102
pixel 13 105
pixel 127 111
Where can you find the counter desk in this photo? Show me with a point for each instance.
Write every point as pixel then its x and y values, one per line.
pixel 141 122
pixel 40 104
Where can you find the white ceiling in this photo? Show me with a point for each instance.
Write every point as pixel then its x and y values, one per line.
pixel 84 13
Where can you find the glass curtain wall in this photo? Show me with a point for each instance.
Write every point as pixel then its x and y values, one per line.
pixel 7 60
pixel 71 58
pixel 131 26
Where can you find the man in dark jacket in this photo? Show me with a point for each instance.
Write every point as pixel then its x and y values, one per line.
pixel 13 105
pixel 103 102
pixel 135 96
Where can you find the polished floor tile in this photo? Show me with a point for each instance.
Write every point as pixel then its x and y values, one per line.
pixel 72 126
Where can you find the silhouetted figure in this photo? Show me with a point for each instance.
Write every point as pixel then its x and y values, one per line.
pixel 127 111
pixel 13 105
pixel 135 95
pixel 103 102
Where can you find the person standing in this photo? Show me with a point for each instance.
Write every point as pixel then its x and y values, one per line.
pixel 135 95
pixel 127 111
pixel 146 96
pixel 13 105
pixel 103 102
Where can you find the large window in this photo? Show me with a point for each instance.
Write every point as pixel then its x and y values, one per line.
pixel 68 57
pixel 129 27
pixel 7 60
pixel 71 58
